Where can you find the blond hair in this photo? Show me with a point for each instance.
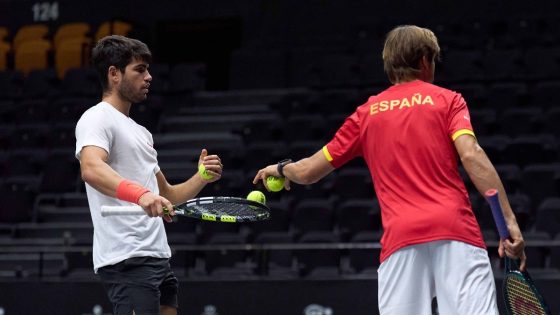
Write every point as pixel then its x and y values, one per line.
pixel 404 48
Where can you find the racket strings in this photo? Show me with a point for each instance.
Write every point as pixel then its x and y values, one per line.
pixel 521 298
pixel 231 209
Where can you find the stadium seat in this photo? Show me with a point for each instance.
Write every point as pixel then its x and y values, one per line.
pixel 75 30
pixel 279 220
pixel 17 201
pixel 542 63
pixel 114 27
pixel 502 64
pixel 63 136
pixel 474 93
pixel 318 263
pixel 304 67
pixel 56 213
pixel 536 255
pixel 5 50
pixel 6 131
pixel 31 136
pixel 313 131
pixel 555 255
pixel 4 32
pixel 32 265
pixel 68 109
pixel 523 208
pixel 76 233
pixel 360 188
pixel 543 94
pixel 187 77
pixel 209 140
pixel 540 181
pixel 146 115
pixel 182 232
pixel 258 69
pixel 504 95
pixel 29 33
pixel 335 101
pixel 517 121
pixel 313 215
pixel 61 171
pixel 227 263
pixel 461 66
pixel 71 53
pixel 548 216
pixel 32 55
pixel 339 70
pixel 357 215
pixel 292 103
pixel 550 122
pixel 81 82
pixel 530 149
pixel 299 149
pixel 209 123
pixel 483 121
pixel 40 84
pixel 160 78
pixel 494 146
pixel 31 111
pixel 361 260
pixel 78 263
pixel 262 131
pixel 8 109
pixel 262 152
pixel 371 67
pixel 11 83
pixel 207 230
pixel 24 162
pixel 276 263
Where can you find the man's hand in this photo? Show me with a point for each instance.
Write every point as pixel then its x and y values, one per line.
pixel 213 166
pixel 514 247
pixel 271 170
pixel 154 206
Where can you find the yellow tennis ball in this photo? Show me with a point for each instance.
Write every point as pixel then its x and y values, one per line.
pixel 257 196
pixel 275 183
pixel 203 172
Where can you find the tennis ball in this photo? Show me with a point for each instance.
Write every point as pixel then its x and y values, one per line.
pixel 257 196
pixel 275 183
pixel 203 172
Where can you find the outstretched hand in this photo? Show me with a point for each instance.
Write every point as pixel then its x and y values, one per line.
pixel 271 170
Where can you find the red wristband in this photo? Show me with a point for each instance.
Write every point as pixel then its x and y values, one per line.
pixel 130 191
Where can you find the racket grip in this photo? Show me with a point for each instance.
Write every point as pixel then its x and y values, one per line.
pixel 121 210
pixel 493 199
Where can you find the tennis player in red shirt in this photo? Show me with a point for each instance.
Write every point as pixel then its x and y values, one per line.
pixel 411 137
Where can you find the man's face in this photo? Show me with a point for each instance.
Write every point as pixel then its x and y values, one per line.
pixel 135 82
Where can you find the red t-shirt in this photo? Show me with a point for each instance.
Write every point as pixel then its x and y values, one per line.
pixel 405 134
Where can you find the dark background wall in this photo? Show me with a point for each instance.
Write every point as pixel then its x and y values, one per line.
pixel 210 30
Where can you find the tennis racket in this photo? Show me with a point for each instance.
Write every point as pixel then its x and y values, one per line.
pixel 219 209
pixel 520 294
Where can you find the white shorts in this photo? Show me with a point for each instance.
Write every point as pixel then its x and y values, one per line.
pixel 459 275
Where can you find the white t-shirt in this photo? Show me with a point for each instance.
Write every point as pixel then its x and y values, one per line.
pixel 132 155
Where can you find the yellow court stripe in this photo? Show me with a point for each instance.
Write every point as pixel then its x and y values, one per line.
pixel 327 154
pixel 461 132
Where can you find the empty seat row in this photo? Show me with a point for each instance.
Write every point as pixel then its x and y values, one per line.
pixel 70 43
pixel 317 67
